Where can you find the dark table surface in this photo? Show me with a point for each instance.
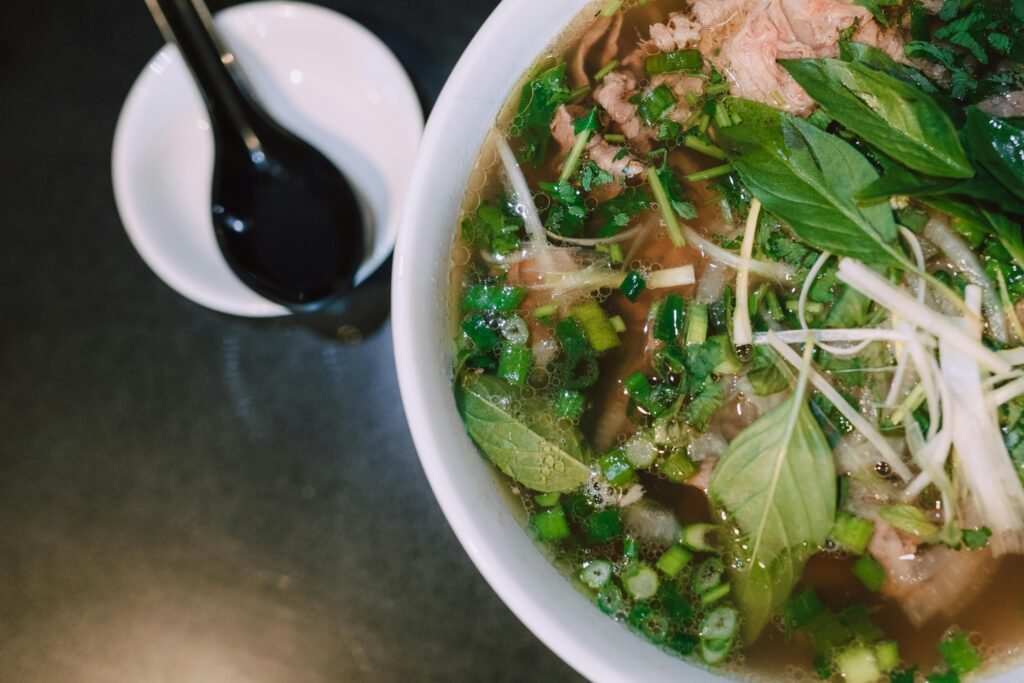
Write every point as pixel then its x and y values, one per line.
pixel 186 496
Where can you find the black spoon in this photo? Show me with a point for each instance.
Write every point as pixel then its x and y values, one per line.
pixel 286 219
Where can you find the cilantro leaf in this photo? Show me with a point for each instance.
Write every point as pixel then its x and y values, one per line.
pixel 976 539
pixel 592 175
pixel 539 100
pixel 617 213
pixel 493 227
pixel 567 212
pixel 675 192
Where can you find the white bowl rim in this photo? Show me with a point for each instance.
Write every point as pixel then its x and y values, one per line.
pixel 418 379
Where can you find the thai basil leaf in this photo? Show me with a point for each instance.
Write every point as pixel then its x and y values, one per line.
pixel 999 148
pixel 765 375
pixel 874 58
pixel 900 119
pixel 898 180
pixel 807 177
pixel 779 494
pixel 521 436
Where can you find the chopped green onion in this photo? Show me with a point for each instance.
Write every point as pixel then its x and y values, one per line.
pixel 655 102
pixel 696 537
pixel 633 285
pixel 515 364
pixel 494 298
pixel 716 89
pixel 547 500
pixel 570 404
pixel 596 573
pixel 573 339
pixel 606 69
pixel 674 560
pixel 616 468
pixel 858 665
pixel 852 533
pixel 615 253
pixel 719 624
pixel 603 526
pixel 675 605
pixel 950 676
pixel 655 628
pixel 691 98
pixel 629 548
pixel 670 320
pixel 705 122
pixel 550 525
pixel 618 323
pixel 958 652
pixel 616 138
pixel 826 632
pixel 697 323
pixel 668 214
pixel 610 8
pixel 870 572
pixel 708 575
pixel 802 609
pixel 857 619
pixel 715 594
pixel 774 307
pixel 705 148
pixel 709 174
pixel 609 599
pixel 640 581
pixel 543 312
pixel 715 651
pixel 480 333
pixel 638 387
pixel 679 468
pixel 681 60
pixel 721 116
pixel 887 654
pixel 640 451
pixel 596 326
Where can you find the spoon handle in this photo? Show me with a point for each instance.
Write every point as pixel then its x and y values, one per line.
pixel 189 25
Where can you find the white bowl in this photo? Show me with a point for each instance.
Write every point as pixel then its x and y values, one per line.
pixel 595 645
pixel 320 74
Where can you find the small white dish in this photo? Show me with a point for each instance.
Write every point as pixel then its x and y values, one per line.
pixel 322 76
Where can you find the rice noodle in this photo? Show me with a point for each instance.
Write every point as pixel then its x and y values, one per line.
pixel 856 419
pixel 870 335
pixel 521 188
pixel 595 241
pixel 874 286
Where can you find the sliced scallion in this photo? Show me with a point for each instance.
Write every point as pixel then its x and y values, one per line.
pixel 596 573
pixel 680 60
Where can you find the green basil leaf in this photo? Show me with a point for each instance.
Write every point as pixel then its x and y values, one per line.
pixel 874 58
pixel 807 177
pixel 999 147
pixel 779 494
pixel 521 436
pixel 899 180
pixel 900 119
